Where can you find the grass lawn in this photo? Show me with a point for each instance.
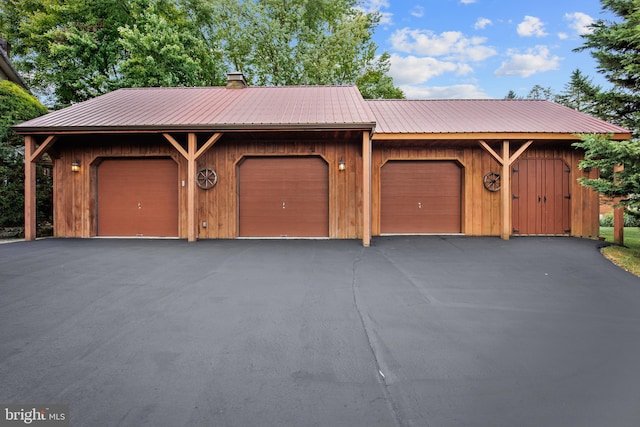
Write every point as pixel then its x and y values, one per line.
pixel 627 256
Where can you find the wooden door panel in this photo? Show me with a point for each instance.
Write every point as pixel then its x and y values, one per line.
pixel 541 200
pixel 138 197
pixel 420 197
pixel 284 197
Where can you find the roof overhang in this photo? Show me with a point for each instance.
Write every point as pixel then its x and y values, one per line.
pixel 508 136
pixel 314 127
pixel 9 70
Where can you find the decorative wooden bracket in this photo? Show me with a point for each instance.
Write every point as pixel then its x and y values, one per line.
pixel 192 153
pixel 506 160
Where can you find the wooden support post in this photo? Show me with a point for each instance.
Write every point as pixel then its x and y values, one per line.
pixel 506 192
pixel 29 189
pixel 192 147
pixel 618 217
pixel 366 189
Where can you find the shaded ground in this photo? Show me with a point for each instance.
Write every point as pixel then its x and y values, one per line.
pixel 423 331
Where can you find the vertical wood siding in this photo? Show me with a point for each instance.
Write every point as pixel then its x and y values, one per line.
pixel 481 209
pixel 75 193
pixel 75 196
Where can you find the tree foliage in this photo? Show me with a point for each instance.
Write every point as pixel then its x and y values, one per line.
pixel 615 45
pixel 606 155
pixel 16 105
pixel 581 94
pixel 80 49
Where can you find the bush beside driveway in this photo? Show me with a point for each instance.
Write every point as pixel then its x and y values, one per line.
pixel 439 331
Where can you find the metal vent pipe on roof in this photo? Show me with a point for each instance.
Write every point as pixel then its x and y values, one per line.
pixel 236 81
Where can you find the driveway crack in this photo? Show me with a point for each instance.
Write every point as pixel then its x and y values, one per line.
pixel 367 327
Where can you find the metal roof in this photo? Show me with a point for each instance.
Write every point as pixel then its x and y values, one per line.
pixel 483 116
pixel 7 69
pixel 212 108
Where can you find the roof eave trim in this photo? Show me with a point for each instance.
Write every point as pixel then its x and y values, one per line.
pixel 25 130
pixel 569 136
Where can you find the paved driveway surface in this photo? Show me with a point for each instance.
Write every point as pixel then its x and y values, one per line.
pixel 414 331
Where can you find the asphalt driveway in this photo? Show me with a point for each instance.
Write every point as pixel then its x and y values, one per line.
pixel 414 331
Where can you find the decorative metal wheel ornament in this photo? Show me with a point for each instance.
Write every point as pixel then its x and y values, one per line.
pixel 206 178
pixel 492 181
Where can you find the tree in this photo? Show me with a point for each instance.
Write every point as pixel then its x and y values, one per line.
pixel 511 95
pixel 376 84
pixel 605 155
pixel 539 92
pixel 82 49
pixel 615 45
pixel 581 94
pixel 16 105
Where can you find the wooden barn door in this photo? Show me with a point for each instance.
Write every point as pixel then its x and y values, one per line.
pixel 541 197
pixel 284 197
pixel 420 197
pixel 138 197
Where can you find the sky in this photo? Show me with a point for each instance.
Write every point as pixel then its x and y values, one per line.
pixel 460 49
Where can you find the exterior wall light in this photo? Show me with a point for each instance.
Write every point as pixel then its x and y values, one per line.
pixel 75 166
pixel 341 165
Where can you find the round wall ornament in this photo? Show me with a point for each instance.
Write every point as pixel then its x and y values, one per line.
pixel 492 181
pixel 206 178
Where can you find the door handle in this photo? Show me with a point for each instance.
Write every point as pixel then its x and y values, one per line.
pixel 545 199
pixel 419 205
pixel 538 199
pixel 284 205
pixel 139 205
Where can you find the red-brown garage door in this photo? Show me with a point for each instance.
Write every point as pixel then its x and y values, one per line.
pixel 541 199
pixel 138 197
pixel 284 197
pixel 420 197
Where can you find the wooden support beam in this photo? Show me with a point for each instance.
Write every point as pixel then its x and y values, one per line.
pixel 618 217
pixel 176 145
pixel 29 189
pixel 35 156
pixel 492 152
pixel 192 145
pixel 214 138
pixel 506 192
pixel 519 152
pixel 366 189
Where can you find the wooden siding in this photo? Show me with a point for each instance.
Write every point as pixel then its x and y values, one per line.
pixel 75 192
pixel 481 209
pixel 219 206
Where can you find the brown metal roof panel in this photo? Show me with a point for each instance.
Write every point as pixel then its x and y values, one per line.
pixel 475 116
pixel 217 106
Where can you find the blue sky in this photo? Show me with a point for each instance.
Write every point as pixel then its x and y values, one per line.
pixel 484 48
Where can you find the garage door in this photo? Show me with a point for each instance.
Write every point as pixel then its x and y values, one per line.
pixel 138 197
pixel 420 197
pixel 541 198
pixel 284 197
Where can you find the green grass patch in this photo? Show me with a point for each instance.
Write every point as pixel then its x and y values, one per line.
pixel 627 256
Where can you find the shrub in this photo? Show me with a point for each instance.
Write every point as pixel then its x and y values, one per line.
pixel 17 105
pixel 629 220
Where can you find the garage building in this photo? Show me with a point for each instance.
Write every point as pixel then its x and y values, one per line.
pixel 310 162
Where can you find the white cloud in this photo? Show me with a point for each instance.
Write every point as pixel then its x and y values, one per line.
pixel 451 45
pixel 534 60
pixel 467 1
pixel 563 36
pixel 482 23
pixel 444 92
pixel 579 22
pixel 417 11
pixel 410 70
pixel 531 26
